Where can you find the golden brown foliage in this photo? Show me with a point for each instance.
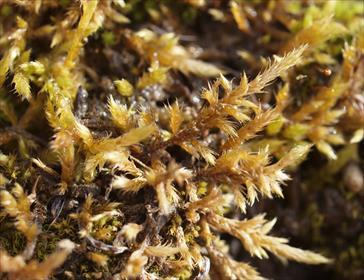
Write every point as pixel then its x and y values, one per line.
pixel 145 174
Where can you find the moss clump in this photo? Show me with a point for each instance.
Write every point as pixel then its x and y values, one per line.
pixel 142 139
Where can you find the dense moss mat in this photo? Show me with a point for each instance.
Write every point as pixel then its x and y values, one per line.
pixel 147 139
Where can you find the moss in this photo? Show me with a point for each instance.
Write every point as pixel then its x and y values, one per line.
pixel 147 138
pixel 6 10
pixel 11 240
